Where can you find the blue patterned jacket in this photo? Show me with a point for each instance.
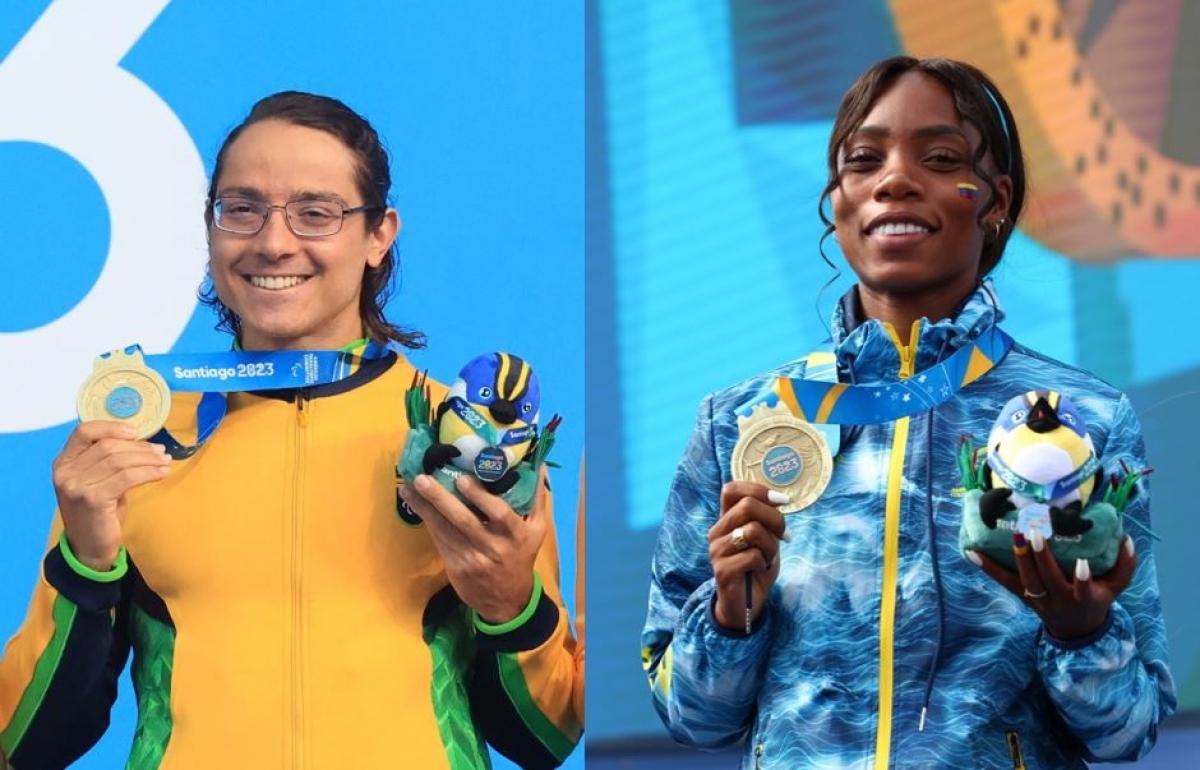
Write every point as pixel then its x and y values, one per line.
pixel 877 615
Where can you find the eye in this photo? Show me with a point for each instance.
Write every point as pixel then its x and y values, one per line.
pixel 526 408
pixel 485 392
pixel 860 158
pixel 236 207
pixel 1068 418
pixel 1018 417
pixel 315 211
pixel 943 159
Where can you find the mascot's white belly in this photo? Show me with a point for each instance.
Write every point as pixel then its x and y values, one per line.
pixel 1042 464
pixel 471 445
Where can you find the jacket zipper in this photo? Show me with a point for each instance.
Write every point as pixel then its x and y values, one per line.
pixel 891 555
pixel 297 694
pixel 1014 750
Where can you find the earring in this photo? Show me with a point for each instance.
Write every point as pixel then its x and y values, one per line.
pixel 997 229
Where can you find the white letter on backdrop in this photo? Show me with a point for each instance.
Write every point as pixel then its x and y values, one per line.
pixel 62 86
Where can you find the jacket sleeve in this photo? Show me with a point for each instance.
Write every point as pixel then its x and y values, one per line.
pixel 1113 688
pixel 523 691
pixel 704 679
pixel 58 674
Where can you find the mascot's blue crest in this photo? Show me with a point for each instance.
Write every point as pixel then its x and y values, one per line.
pixel 486 374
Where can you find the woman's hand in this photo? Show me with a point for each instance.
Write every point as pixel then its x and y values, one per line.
pixel 99 464
pixel 489 563
pixel 1068 609
pixel 749 510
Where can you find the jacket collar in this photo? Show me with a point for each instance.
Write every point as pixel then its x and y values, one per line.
pixel 868 350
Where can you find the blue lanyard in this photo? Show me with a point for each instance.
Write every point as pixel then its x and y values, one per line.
pixel 241 370
pixel 839 403
pixel 215 374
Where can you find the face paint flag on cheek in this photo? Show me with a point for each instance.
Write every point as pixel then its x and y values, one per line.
pixel 968 191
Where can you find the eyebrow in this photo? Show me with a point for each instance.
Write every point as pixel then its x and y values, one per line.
pixel 255 194
pixel 924 132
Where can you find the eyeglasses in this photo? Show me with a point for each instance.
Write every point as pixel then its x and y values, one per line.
pixel 307 218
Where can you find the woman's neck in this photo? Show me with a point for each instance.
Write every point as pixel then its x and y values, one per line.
pixel 901 310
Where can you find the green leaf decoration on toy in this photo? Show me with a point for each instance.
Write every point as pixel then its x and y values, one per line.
pixel 545 443
pixel 1119 490
pixel 970 464
pixel 416 401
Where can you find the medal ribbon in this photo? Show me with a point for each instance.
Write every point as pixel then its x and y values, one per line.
pixel 241 370
pixel 840 403
pixel 215 374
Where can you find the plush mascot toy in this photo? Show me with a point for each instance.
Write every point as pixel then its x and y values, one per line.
pixel 1039 452
pixel 487 426
pixel 1038 473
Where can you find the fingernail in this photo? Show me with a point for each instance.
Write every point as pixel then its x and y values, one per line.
pixel 422 482
pixel 1082 570
pixel 1129 549
pixel 787 536
pixel 973 558
pixel 1036 541
pixel 160 447
pixel 464 482
pixel 775 497
pixel 1018 540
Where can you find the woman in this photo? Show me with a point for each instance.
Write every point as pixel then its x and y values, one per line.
pixel 280 611
pixel 872 642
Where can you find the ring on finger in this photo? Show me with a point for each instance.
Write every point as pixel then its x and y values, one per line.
pixel 1030 595
pixel 738 538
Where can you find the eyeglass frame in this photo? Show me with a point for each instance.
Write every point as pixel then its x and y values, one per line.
pixel 270 207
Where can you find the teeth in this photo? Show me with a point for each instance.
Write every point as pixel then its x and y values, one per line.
pixel 898 228
pixel 276 282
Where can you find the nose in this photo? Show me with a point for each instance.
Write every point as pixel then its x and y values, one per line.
pixel 504 411
pixel 896 181
pixel 276 239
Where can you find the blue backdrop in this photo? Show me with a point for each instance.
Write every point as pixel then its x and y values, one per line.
pixel 707 133
pixel 110 123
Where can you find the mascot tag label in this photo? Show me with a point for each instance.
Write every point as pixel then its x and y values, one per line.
pixel 1035 517
pixel 490 464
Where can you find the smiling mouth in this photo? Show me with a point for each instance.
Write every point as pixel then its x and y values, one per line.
pixel 899 228
pixel 276 282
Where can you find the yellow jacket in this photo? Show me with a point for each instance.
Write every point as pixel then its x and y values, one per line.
pixel 282 615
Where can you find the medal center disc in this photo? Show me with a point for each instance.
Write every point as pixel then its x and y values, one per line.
pixel 123 402
pixel 782 465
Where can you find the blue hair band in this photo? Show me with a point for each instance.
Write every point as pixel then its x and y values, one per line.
pixel 1003 125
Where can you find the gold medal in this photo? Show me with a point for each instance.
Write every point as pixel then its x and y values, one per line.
pixel 784 453
pixel 124 389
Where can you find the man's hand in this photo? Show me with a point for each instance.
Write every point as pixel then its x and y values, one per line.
pixel 99 464
pixel 489 562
